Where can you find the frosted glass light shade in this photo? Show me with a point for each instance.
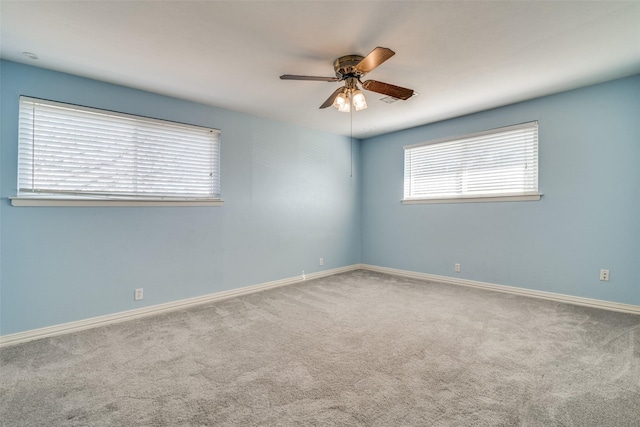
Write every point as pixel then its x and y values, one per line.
pixel 342 103
pixel 359 103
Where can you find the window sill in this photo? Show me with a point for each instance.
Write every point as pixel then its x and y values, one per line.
pixel 476 199
pixel 33 201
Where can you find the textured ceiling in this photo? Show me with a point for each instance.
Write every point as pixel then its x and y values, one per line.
pixel 461 57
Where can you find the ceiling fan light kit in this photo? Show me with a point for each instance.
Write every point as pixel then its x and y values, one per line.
pixel 350 69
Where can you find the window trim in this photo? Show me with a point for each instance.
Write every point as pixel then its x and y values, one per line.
pixel 106 199
pixel 475 199
pixel 516 197
pixel 43 201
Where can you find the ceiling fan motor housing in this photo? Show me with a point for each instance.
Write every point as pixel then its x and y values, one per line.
pixel 345 66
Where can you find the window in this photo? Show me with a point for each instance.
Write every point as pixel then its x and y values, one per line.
pixel 499 164
pixel 72 153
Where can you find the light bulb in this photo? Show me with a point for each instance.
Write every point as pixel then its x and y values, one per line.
pixel 342 103
pixel 339 100
pixel 345 108
pixel 359 102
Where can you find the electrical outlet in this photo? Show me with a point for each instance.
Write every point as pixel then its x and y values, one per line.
pixel 137 294
pixel 321 261
pixel 457 268
pixel 604 275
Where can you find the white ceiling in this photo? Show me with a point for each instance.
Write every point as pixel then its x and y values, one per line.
pixel 461 57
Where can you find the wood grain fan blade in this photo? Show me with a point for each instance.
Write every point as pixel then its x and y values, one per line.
pixel 329 101
pixel 376 57
pixel 312 78
pixel 388 89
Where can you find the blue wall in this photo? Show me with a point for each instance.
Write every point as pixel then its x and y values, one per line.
pixel 289 200
pixel 588 218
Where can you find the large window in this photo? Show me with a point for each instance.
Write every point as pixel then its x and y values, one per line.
pixel 73 153
pixel 500 164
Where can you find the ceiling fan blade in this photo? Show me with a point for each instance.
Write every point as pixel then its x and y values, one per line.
pixel 388 89
pixel 329 101
pixel 312 78
pixel 376 57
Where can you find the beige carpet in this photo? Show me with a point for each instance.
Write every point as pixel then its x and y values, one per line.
pixel 356 349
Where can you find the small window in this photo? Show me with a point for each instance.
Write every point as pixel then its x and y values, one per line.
pixel 78 153
pixel 500 164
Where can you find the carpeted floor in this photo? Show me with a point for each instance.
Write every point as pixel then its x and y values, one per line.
pixel 356 349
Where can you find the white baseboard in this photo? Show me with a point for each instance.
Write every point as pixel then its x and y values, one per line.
pixel 588 302
pixel 94 322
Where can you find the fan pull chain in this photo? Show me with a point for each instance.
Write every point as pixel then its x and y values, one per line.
pixel 351 139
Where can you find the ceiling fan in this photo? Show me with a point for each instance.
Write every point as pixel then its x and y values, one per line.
pixel 350 69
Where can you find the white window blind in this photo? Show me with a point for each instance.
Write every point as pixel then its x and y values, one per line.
pixel 497 163
pixel 68 151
